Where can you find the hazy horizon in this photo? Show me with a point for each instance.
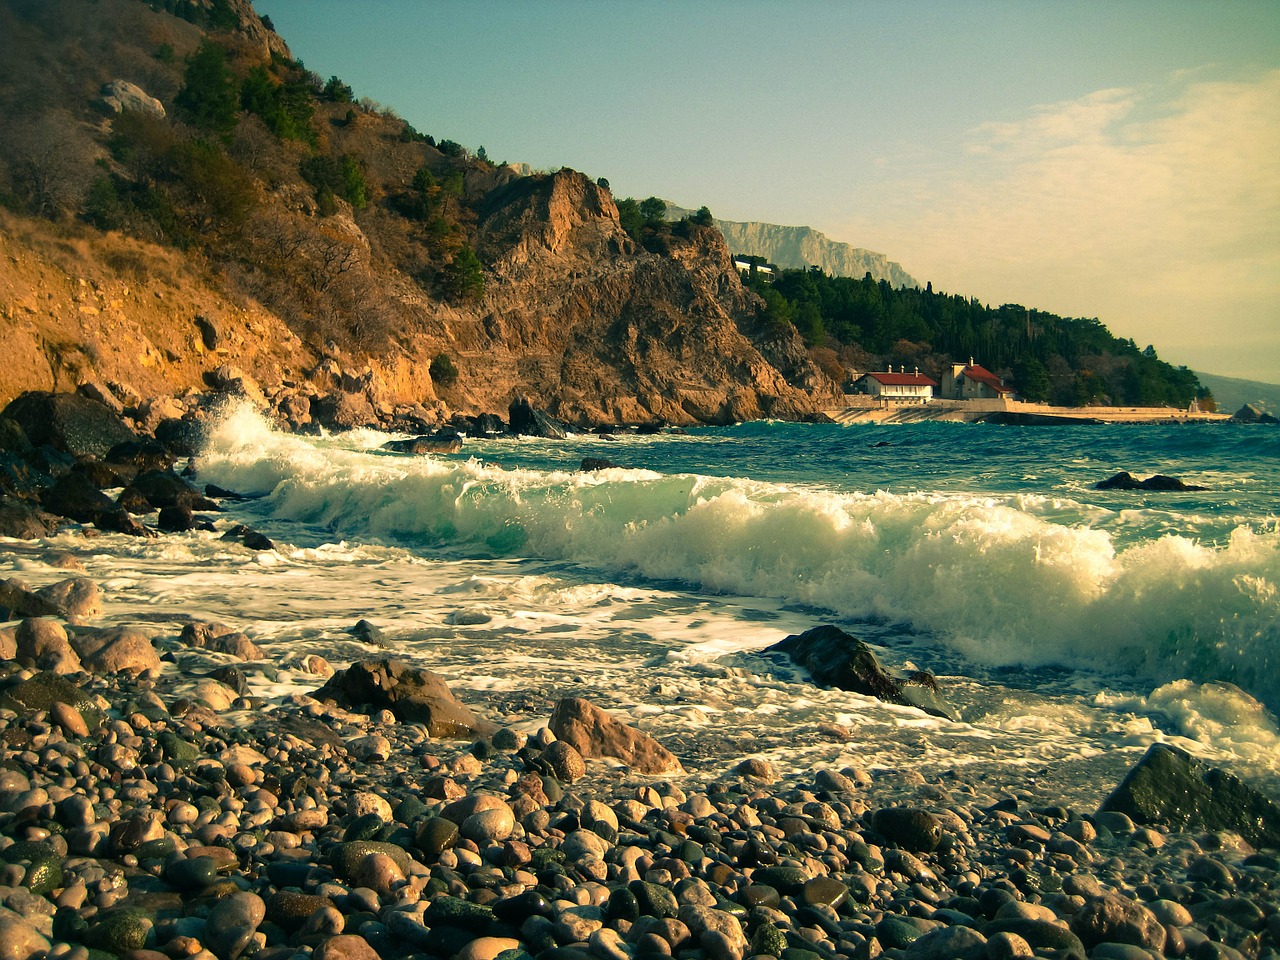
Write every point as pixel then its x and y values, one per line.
pixel 1094 159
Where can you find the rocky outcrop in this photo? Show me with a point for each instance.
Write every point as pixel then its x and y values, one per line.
pixel 1251 414
pixel 69 422
pixel 1171 788
pixel 121 95
pixel 592 732
pixel 1127 481
pixel 413 695
pixel 838 659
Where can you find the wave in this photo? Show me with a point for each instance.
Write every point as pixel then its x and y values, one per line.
pixel 1004 580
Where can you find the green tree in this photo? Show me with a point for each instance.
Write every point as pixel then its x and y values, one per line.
pixel 443 370
pixel 602 183
pixel 703 218
pixel 1031 379
pixel 654 211
pixel 464 277
pixel 335 91
pixel 208 99
pixel 631 218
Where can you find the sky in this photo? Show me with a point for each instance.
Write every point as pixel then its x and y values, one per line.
pixel 1114 159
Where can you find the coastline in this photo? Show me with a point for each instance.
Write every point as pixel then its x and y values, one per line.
pixel 1017 412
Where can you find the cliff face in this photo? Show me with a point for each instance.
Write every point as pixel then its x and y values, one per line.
pixel 356 297
pixel 804 246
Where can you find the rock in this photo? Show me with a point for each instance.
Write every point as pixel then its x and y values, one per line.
pixel 444 441
pixel 757 769
pixel 164 488
pixel 19 940
pixel 77 498
pixel 525 421
pixel 232 923
pixel 718 933
pixel 119 96
pixel 592 464
pixel 120 932
pixel 594 733
pixel 344 411
pixel 413 695
pixel 909 828
pixel 42 691
pixel 1251 414
pixel 1116 919
pixel 22 521
pixel 1126 481
pixel 347 946
pixel 140 456
pixel 948 943
pixel 69 422
pixel 181 436
pixel 78 598
pixel 1170 787
pixel 221 639
pixel 837 659
pixel 210 332
pixel 117 650
pixel 42 643
pixel 19 601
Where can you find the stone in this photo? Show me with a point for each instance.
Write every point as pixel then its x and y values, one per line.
pixel 346 946
pixel 68 422
pixel 838 659
pixel 909 828
pixel 594 733
pixel 164 488
pixel 69 719
pixel 525 421
pixel 231 924
pixel 42 691
pixel 42 642
pixel 948 943
pixel 22 521
pixel 716 931
pixel 756 768
pixel 1171 788
pixel 117 650
pixel 1116 919
pixel 119 96
pixel 1126 481
pixel 412 694
pixel 565 762
pixel 77 498
pixel 78 598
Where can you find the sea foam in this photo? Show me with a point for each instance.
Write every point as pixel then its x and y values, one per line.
pixel 1005 580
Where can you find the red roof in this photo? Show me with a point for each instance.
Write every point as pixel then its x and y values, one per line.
pixel 983 375
pixel 903 379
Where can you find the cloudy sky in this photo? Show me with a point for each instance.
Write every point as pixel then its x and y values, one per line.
pixel 1112 159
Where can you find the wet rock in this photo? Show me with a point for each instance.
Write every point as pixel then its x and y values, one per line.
pixel 345 947
pixel 232 923
pixel 77 498
pixel 526 421
pixel 116 650
pixel 1117 919
pixel 948 943
pixel 78 598
pixel 909 828
pixel 42 691
pixel 411 694
pixel 22 521
pixel 837 659
pixel 1126 481
pixel 594 733
pixel 42 642
pixel 564 761
pixel 70 422
pixel 164 488
pixel 19 601
pixel 1168 786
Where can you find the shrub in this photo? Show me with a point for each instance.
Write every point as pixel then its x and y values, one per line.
pixel 443 371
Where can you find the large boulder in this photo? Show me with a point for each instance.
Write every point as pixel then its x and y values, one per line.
pixel 77 498
pixel 21 521
pixel 412 694
pixel 39 693
pixel 594 733
pixel 117 96
pixel 838 659
pixel 528 422
pixel 76 424
pixel 1127 481
pixel 1170 787
pixel 1251 414
pixel 18 600
pixel 42 643
pixel 164 488
pixel 116 650
pixel 341 410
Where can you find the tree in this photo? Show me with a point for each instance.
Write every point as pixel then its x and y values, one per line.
pixel 335 91
pixel 443 370
pixel 208 99
pixel 654 211
pixel 464 277
pixel 602 183
pixel 630 217
pixel 703 218
pixel 1031 379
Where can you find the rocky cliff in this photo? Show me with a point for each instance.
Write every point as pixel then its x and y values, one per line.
pixel 314 297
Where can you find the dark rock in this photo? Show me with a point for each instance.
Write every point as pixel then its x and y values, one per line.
pixel 176 519
pixel 1168 786
pixel 527 422
pixel 1040 934
pixel 70 422
pixel 1116 919
pixel 181 437
pixel 164 488
pixel 77 498
pixel 218 493
pixel 369 633
pixel 21 521
pixel 909 828
pixel 119 520
pixel 20 477
pixel 837 659
pixel 413 695
pixel 42 691
pixel 442 441
pixel 140 456
pixel 344 411
pixel 19 601
pixel 12 438
pixel 210 332
pixel 591 464
pixel 1126 481
pixel 250 537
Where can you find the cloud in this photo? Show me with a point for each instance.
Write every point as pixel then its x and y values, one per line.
pixel 1155 208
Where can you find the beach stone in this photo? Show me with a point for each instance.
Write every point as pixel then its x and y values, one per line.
pixel 69 422
pixel 231 924
pixel 487 948
pixel 325 922
pixel 768 940
pixel 583 844
pixel 825 890
pixel 948 943
pixel 346 946
pixel 412 694
pixel 42 642
pixel 717 932
pixel 1117 919
pixel 1170 787
pixel 374 748
pixel 117 650
pixel 838 659
pixel 378 872
pixel 69 719
pixel 1040 934
pixel 41 692
pixel 456 912
pixel 594 733
pixel 489 826
pixel 1007 946
pixel 565 762
pixel 192 874
pixel 78 598
pixel 362 803
pixel 654 900
pixel 19 601
pixel 120 931
pixel 909 828
pixel 757 769
pixel 436 835
pixel 347 857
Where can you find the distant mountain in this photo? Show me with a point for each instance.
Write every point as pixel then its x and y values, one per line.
pixel 1232 394
pixel 805 247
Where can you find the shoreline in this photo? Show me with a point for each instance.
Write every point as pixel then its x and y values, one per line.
pixel 1013 412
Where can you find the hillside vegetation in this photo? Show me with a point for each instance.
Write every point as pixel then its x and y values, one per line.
pixel 181 195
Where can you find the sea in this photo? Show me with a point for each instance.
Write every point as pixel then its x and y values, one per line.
pixel 1070 628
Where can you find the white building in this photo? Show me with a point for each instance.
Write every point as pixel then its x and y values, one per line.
pixel 911 387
